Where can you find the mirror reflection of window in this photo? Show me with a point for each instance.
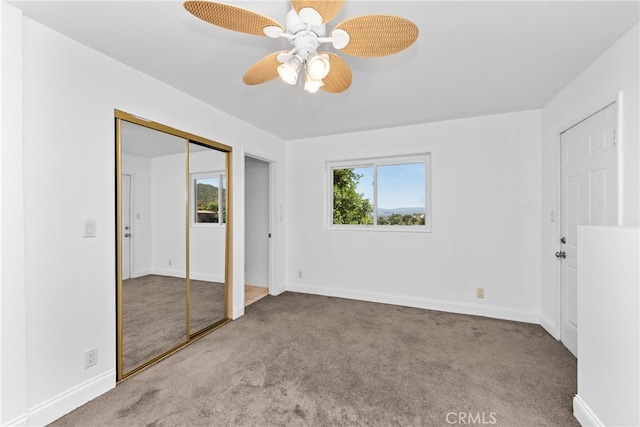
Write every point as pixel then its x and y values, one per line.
pixel 209 197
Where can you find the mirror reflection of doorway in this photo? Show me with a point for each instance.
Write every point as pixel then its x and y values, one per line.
pixel 257 229
pixel 126 226
pixel 172 270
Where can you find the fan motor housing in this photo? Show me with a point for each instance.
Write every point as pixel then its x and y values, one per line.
pixel 295 24
pixel 304 41
pixel 305 44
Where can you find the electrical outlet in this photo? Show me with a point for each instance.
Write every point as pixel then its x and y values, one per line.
pixel 90 358
pixel 480 293
pixel 170 262
pixel 300 274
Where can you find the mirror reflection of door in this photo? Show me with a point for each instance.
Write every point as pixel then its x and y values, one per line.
pixel 173 240
pixel 154 294
pixel 126 226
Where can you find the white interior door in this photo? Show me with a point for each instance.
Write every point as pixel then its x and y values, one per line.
pixel 126 226
pixel 588 197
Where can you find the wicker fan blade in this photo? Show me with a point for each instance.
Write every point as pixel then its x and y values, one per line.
pixel 339 77
pixel 378 35
pixel 264 70
pixel 328 9
pixel 231 17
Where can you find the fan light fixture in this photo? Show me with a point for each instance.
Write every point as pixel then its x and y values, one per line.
pixel 316 67
pixel 306 30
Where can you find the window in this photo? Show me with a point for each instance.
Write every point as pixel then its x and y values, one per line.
pixel 208 198
pixel 384 194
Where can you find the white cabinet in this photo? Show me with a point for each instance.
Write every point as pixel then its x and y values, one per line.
pixel 609 326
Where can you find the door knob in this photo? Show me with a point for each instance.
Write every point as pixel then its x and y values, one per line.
pixel 129 235
pixel 561 254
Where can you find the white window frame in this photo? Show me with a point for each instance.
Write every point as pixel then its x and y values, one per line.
pixel 193 202
pixel 374 163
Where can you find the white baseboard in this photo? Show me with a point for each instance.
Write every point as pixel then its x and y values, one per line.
pixel 584 414
pixel 550 326
pixel 206 277
pixel 193 275
pixel 20 421
pixel 256 281
pixel 141 273
pixel 66 402
pixel 238 311
pixel 528 316
pixel 279 288
pixel 168 272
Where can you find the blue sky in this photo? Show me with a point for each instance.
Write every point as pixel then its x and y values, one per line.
pixel 209 181
pixel 399 186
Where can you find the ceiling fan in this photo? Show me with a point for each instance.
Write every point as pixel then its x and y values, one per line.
pixel 364 36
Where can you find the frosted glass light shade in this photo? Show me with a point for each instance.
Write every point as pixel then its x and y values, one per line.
pixel 318 65
pixel 289 70
pixel 312 85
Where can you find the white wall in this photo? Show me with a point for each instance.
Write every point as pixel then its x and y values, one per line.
pixel 168 219
pixel 609 331
pixel 13 360
pixel 616 71
pixel 67 296
pixel 485 221
pixel 257 222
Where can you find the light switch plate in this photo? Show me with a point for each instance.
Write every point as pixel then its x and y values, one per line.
pixel 90 228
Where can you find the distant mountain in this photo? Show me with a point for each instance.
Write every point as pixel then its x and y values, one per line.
pixel 401 211
pixel 206 193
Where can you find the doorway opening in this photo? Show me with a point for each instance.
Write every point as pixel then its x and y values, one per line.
pixel 258 228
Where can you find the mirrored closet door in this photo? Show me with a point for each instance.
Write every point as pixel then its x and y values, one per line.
pixel 173 238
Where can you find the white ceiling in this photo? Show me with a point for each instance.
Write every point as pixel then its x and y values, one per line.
pixel 471 58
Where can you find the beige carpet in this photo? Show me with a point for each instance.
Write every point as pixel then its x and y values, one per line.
pixel 300 360
pixel 154 314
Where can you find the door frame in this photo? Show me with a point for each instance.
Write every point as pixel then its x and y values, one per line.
pixel 131 210
pixel 618 164
pixel 272 215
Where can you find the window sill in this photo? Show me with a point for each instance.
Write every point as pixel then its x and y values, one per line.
pixel 381 228
pixel 206 225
